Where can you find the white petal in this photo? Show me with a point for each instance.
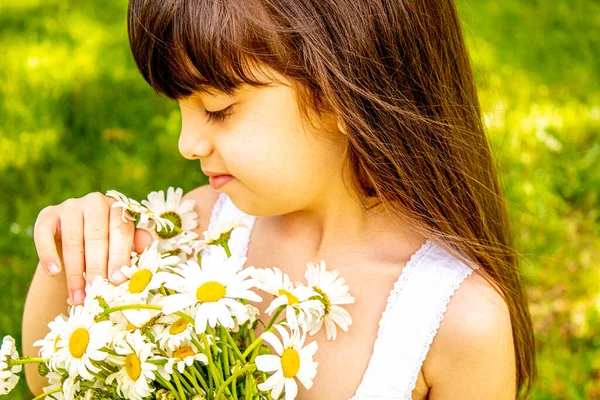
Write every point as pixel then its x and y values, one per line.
pixel 268 362
pixel 270 338
pixel 278 387
pixel 291 389
pixel 176 302
pixel 274 380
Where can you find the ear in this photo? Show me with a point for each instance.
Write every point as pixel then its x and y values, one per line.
pixel 341 127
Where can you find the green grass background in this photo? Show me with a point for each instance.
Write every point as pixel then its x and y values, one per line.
pixel 76 117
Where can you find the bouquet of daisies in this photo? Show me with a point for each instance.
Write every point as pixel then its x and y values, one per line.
pixel 181 327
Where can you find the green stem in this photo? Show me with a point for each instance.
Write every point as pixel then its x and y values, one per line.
pixel 163 291
pixel 193 380
pixel 185 383
pixel 224 357
pixel 26 360
pixel 248 395
pixel 48 393
pixel 144 306
pixel 257 342
pixel 202 381
pixel 272 321
pixel 211 365
pixel 226 248
pixel 235 348
pixel 233 377
pixel 215 349
pixel 178 384
pixel 168 385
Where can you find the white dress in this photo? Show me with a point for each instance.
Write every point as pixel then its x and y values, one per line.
pixel 412 316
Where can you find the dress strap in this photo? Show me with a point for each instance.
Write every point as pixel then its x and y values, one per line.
pixel 410 321
pixel 224 211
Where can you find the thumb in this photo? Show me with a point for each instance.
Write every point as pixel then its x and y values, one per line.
pixel 141 239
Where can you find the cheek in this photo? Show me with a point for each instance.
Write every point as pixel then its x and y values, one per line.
pixel 281 168
pixel 279 174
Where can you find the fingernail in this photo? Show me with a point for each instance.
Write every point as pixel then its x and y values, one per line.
pixel 78 296
pixel 52 268
pixel 118 276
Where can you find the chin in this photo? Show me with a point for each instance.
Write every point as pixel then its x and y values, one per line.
pixel 257 208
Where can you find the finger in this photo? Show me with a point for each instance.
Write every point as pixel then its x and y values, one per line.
pixel 95 228
pixel 141 239
pixel 71 221
pixel 45 228
pixel 120 242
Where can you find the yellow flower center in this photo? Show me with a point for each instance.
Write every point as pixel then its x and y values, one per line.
pixel 290 362
pixel 140 280
pixel 210 292
pixel 78 342
pixel 131 327
pixel 56 342
pixel 291 298
pixel 133 366
pixel 183 352
pixel 178 326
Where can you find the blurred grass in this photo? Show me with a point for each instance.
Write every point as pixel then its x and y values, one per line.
pixel 76 117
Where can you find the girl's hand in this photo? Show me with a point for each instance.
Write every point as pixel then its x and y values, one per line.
pixel 86 234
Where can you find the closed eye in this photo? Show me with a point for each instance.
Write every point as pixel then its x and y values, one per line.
pixel 218 116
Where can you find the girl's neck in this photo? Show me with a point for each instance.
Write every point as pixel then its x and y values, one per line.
pixel 339 223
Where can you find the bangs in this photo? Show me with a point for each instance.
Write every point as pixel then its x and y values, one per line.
pixel 185 46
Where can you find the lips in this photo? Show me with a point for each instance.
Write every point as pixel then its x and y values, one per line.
pixel 219 181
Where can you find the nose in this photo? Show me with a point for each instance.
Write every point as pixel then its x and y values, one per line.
pixel 193 144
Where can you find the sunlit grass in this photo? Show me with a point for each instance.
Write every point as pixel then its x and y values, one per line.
pixel 76 117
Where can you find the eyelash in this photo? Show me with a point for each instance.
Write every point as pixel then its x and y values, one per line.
pixel 218 116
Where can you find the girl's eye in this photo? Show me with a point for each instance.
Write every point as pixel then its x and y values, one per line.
pixel 218 116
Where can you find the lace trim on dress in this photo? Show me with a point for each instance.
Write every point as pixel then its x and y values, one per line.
pixel 217 210
pixel 250 220
pixel 406 273
pixel 433 331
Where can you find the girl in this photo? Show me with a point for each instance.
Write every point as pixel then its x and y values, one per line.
pixel 350 131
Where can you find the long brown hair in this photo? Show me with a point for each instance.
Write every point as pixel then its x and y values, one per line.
pixel 397 73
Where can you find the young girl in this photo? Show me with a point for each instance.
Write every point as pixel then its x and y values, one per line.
pixel 349 131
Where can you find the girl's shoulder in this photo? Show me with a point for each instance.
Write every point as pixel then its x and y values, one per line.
pixel 472 354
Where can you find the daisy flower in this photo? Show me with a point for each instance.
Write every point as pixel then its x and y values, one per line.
pixel 216 287
pixel 80 341
pixel 136 374
pixel 148 273
pixel 99 294
pixel 298 298
pixel 293 360
pixel 71 387
pixel 55 381
pixel 252 316
pixel 8 374
pixel 183 356
pixel 49 344
pixel 134 211
pixel 180 213
pixel 174 330
pixel 218 234
pixel 137 318
pixel 182 245
pixel 333 292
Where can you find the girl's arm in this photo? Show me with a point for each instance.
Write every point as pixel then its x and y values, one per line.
pixel 47 296
pixel 472 355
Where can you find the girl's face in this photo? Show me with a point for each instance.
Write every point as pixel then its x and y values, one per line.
pixel 278 165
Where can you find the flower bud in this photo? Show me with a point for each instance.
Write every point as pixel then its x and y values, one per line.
pixel 43 369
